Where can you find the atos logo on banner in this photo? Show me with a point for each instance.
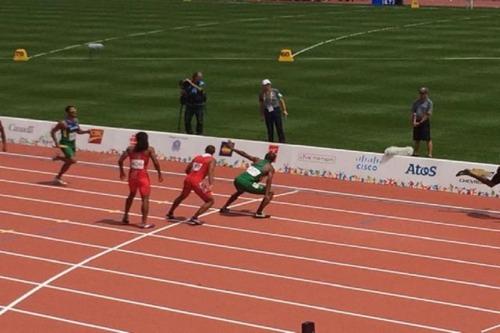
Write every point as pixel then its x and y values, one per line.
pixel 416 169
pixel 368 163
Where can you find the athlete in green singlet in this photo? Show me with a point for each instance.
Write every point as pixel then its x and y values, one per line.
pixel 69 128
pixel 249 180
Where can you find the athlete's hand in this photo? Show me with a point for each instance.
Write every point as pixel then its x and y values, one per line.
pixel 122 175
pixel 160 178
pixel 4 149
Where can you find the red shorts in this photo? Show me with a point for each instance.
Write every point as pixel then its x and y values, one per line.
pixel 141 184
pixel 195 185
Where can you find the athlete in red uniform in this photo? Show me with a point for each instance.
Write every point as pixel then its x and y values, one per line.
pixel 201 167
pixel 138 178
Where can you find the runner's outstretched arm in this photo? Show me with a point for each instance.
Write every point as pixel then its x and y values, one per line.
pixel 245 155
pixel 122 159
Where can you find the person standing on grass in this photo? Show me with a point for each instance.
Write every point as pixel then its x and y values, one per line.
pixel 138 178
pixel 494 181
pixel 200 169
pixel 249 180
pixel 271 105
pixel 193 93
pixel 69 128
pixel 4 139
pixel 421 112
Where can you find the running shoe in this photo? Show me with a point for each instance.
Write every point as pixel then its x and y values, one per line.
pixel 172 218
pixel 146 225
pixel 59 181
pixel 224 210
pixel 261 215
pixel 194 221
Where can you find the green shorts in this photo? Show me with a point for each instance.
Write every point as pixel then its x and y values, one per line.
pixel 248 186
pixel 70 150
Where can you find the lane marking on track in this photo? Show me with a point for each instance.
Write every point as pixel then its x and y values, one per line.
pixel 305 189
pixel 46 283
pixel 147 305
pixel 252 272
pixel 490 329
pixel 65 320
pixel 170 309
pixel 354 212
pixel 423 238
pixel 347 245
pixel 267 253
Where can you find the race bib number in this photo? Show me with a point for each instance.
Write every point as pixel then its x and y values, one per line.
pixel 253 171
pixel 196 166
pixel 72 136
pixel 137 164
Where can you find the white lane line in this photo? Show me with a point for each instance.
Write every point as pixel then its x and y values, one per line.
pixel 262 252
pixel 346 245
pixel 147 305
pixel 252 272
pixel 65 320
pixel 490 329
pixel 305 189
pixel 423 238
pixel 384 216
pixel 362 33
pixel 169 309
pixel 368 248
pixel 354 212
pixel 98 255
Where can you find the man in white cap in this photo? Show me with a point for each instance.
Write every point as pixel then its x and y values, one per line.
pixel 421 112
pixel 272 104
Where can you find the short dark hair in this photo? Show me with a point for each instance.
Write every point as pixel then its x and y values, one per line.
pixel 271 157
pixel 210 150
pixel 66 109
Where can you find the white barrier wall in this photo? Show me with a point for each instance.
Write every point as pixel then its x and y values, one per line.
pixel 420 173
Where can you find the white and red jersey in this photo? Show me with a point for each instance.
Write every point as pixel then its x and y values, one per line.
pixel 138 164
pixel 200 168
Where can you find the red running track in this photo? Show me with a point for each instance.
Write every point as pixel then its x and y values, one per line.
pixel 351 257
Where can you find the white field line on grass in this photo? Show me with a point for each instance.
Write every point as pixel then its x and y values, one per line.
pixel 65 320
pixel 354 212
pixel 346 245
pixel 157 31
pixel 83 262
pixel 272 58
pixel 305 189
pixel 404 235
pixel 301 305
pixel 252 272
pixel 491 329
pixel 147 305
pixel 250 250
pixel 394 27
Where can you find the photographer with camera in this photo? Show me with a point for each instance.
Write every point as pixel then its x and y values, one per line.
pixel 193 96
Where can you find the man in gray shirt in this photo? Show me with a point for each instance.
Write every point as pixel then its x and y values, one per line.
pixel 272 105
pixel 421 112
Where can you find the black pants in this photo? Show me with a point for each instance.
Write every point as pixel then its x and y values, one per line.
pixel 197 111
pixel 274 119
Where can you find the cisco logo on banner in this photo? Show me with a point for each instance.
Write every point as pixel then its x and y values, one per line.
pixel 415 169
pixel 368 163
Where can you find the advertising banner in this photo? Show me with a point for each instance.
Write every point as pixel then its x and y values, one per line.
pixel 375 168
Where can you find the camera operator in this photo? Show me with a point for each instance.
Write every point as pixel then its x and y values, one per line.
pixel 193 96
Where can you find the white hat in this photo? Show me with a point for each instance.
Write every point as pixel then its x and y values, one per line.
pixel 265 82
